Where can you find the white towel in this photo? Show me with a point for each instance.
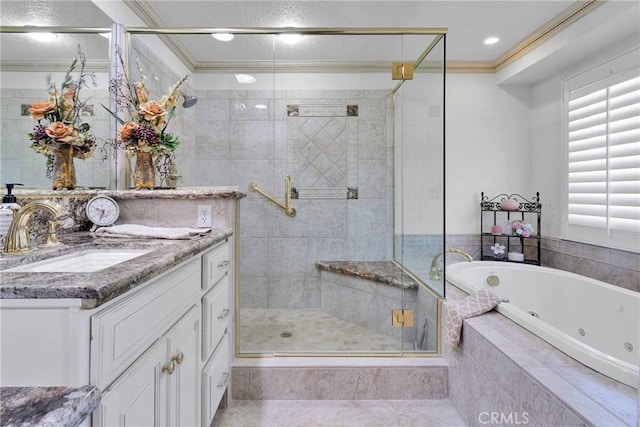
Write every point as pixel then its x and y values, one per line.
pixel 472 305
pixel 142 231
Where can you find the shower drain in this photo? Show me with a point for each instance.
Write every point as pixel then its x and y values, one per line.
pixel 286 335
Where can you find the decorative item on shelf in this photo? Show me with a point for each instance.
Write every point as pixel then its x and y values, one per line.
pixel 145 134
pixel 60 134
pixel 509 205
pixel 498 250
pixel 515 256
pixel 520 228
pixel 496 230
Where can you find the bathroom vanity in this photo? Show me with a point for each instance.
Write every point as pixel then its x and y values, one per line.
pixel 150 333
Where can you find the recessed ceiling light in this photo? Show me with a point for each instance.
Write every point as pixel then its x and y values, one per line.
pixel 43 37
pixel 290 38
pixel 223 37
pixel 260 106
pixel 491 40
pixel 245 78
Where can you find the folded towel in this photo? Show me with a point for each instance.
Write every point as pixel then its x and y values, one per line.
pixel 142 231
pixel 477 303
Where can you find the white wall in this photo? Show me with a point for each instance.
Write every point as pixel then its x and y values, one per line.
pixel 488 138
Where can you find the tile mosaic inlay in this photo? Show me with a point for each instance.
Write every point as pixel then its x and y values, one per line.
pixel 293 111
pixel 323 141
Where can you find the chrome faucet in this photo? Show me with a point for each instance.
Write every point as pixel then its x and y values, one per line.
pixel 18 240
pixel 436 271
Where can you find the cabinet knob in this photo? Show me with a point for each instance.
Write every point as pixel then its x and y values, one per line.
pixel 224 313
pixel 169 368
pixel 223 263
pixel 178 358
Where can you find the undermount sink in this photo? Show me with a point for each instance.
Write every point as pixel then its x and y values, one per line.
pixel 86 261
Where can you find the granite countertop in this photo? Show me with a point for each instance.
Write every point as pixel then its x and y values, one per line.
pixel 98 287
pixel 47 406
pixel 378 271
pixel 230 192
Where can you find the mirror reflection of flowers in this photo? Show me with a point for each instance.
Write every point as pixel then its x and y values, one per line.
pixel 146 127
pixel 59 117
pixel 521 228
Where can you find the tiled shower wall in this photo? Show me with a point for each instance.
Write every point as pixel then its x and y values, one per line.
pixel 237 143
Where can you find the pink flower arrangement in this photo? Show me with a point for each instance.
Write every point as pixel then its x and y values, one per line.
pixel 521 228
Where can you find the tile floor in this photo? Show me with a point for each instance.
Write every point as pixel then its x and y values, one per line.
pixel 307 330
pixel 338 413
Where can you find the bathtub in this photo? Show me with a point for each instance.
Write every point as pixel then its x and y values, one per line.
pixel 594 322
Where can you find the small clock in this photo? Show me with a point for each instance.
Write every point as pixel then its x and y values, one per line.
pixel 102 210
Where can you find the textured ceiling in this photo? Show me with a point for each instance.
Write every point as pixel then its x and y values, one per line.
pixel 468 24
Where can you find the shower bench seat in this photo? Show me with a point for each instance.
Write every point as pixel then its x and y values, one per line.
pixel 367 292
pixel 386 272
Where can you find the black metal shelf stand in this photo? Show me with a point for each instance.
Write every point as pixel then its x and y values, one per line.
pixel 528 211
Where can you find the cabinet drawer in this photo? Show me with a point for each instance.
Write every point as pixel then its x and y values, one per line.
pixel 215 316
pixel 215 377
pixel 215 264
pixel 122 332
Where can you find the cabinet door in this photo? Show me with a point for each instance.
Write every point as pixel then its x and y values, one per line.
pixel 215 316
pixel 136 398
pixel 215 377
pixel 184 382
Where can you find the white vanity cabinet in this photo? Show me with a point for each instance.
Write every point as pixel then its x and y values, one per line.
pixel 216 310
pixel 162 386
pixel 150 351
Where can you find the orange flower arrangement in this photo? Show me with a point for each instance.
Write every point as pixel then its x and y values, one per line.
pixel 58 117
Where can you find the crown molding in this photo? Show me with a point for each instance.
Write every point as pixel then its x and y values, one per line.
pixel 577 10
pixel 51 65
pixel 148 15
pixel 551 28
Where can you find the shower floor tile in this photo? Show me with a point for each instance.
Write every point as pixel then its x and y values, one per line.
pixel 336 413
pixel 307 330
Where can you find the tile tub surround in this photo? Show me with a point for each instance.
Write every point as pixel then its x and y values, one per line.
pixel 47 406
pixel 338 378
pixel 96 288
pixel 502 368
pixel 614 266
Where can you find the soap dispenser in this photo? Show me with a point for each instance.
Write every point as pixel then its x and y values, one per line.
pixel 7 211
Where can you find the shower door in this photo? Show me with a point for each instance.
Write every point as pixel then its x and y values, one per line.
pixel 324 113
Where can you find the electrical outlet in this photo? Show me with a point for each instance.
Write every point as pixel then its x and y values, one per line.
pixel 204 215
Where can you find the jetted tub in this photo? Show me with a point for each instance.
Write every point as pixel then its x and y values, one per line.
pixel 594 322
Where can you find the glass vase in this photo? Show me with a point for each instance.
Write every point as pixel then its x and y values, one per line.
pixel 144 174
pixel 64 171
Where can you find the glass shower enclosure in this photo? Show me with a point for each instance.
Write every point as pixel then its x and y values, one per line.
pixel 346 126
pixel 332 128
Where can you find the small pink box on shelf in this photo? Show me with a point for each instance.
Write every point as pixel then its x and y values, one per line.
pixel 496 230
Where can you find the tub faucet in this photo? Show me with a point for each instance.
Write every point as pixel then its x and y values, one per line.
pixel 18 240
pixel 436 271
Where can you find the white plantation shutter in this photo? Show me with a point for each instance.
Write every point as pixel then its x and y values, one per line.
pixel 603 159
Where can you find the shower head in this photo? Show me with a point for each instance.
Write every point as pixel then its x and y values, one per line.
pixel 189 100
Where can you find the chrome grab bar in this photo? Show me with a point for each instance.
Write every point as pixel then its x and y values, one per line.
pixel 286 206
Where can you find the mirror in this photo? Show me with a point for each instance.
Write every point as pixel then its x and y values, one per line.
pixel 26 63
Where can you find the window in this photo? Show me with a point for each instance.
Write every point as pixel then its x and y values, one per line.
pixel 602 115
